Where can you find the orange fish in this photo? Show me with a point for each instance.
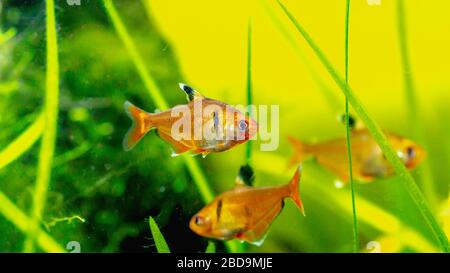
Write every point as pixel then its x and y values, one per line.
pixel 245 213
pixel 368 160
pixel 206 125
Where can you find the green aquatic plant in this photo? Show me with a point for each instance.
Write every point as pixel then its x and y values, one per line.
pixel 13 151
pixel 7 35
pixel 161 244
pixel 347 126
pixel 68 219
pixel 71 154
pixel 413 106
pixel 22 143
pixel 155 93
pixel 248 148
pixel 377 134
pixel 22 222
pixel 158 238
pixel 211 248
pixel 50 125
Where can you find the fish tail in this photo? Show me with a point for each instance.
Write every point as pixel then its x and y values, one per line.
pixel 301 151
pixel 141 125
pixel 294 191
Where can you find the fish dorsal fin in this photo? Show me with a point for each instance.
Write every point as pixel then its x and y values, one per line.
pixel 191 93
pixel 245 176
pixel 355 124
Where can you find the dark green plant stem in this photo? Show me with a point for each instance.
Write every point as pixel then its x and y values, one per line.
pixel 347 126
pixel 248 150
pixel 413 107
pixel 378 135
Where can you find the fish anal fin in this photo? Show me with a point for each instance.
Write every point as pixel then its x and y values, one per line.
pixel 257 232
pixel 178 146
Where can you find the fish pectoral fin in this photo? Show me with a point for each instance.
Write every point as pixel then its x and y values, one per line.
pixel 180 149
pixel 203 152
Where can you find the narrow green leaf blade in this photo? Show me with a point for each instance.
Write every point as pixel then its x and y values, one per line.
pixel 22 143
pixel 160 242
pixel 211 248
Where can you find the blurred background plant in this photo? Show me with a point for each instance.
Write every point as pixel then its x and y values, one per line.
pixel 101 197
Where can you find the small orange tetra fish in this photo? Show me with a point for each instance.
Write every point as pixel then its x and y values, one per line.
pixel 207 125
pixel 245 213
pixel 368 160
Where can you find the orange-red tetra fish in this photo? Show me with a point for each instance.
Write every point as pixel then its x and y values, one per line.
pixel 368 160
pixel 206 125
pixel 245 213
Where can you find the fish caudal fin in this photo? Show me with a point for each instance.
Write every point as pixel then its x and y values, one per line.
pixel 301 151
pixel 141 125
pixel 294 191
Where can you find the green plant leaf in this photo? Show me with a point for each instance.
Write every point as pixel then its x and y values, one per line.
pixel 248 147
pixel 6 36
pixel 211 248
pixel 22 143
pixel 160 242
pixel 348 136
pixel 50 124
pixel 413 105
